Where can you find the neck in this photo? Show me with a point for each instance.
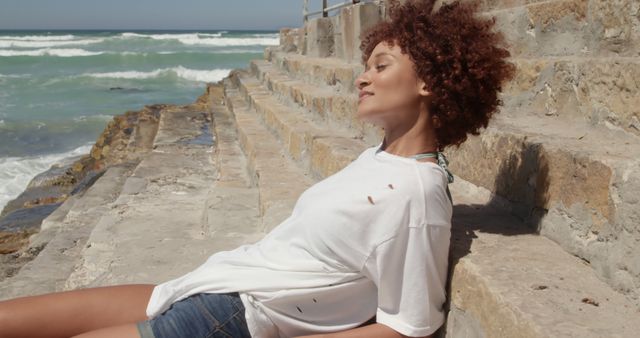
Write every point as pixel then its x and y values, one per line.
pixel 408 141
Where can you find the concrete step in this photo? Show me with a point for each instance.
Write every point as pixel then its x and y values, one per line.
pixel 63 235
pixel 569 27
pixel 567 184
pixel 597 90
pixel 508 282
pixel 488 5
pixel 594 89
pixel 154 230
pixel 319 149
pixel 271 170
pixel 327 106
pixel 233 206
pixel 326 71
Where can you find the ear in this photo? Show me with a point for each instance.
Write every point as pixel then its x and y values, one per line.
pixel 423 89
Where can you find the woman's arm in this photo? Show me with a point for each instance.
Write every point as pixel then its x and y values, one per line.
pixel 375 330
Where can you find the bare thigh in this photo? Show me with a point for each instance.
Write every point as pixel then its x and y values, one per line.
pixel 69 313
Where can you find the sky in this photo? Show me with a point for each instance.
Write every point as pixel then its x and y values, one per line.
pixel 152 14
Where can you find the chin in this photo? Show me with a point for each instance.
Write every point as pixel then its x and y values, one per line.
pixel 369 117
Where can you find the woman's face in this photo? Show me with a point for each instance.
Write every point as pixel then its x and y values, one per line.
pixel 390 91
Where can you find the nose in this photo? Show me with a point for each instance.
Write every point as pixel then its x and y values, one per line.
pixel 362 80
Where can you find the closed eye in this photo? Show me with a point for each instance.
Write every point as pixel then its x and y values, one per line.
pixel 380 66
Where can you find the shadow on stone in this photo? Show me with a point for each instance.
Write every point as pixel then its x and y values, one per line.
pixel 515 208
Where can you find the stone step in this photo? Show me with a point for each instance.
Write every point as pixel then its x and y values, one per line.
pixel 596 90
pixel 154 230
pixel 508 282
pixel 64 233
pixel 592 89
pixel 233 206
pixel 570 27
pixel 319 149
pixel 488 5
pixel 327 105
pixel 271 170
pixel 567 184
pixel 184 125
pixel 326 71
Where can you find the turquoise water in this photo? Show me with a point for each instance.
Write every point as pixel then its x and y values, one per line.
pixel 58 89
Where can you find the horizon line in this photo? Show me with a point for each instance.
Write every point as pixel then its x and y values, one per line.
pixel 146 29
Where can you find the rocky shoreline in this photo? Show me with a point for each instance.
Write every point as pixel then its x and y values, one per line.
pixel 124 141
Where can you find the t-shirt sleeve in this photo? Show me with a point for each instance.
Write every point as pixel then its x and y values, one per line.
pixel 410 271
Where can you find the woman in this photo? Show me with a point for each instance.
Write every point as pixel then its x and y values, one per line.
pixel 365 251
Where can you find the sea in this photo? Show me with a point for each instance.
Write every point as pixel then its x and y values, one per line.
pixel 59 89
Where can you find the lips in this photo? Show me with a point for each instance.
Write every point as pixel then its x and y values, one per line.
pixel 364 94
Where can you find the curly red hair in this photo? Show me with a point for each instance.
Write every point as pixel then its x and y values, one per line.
pixel 458 55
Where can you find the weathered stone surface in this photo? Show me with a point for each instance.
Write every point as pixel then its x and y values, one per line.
pixel 319 37
pixel 288 40
pixel 55 250
pixel 565 184
pixel 571 27
pixel 336 110
pixel 514 283
pixel 353 22
pixel 318 149
pixel 279 182
pixel 596 90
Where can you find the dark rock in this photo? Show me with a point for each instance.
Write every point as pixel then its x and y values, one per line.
pixel 26 219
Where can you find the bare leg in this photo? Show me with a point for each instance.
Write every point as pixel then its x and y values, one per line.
pixel 122 331
pixel 69 313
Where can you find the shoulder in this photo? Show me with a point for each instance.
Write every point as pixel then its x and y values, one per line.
pixel 434 186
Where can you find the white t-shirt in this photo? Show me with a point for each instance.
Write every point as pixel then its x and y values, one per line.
pixel 371 239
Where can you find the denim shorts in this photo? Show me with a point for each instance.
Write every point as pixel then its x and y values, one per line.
pixel 203 315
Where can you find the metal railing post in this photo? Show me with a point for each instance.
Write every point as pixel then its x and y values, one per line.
pixel 326 9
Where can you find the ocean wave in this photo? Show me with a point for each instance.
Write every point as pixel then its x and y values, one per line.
pixel 16 172
pixel 38 37
pixel 185 73
pixel 170 36
pixel 63 52
pixel 231 41
pixel 210 39
pixel 99 117
pixel 13 76
pixel 47 44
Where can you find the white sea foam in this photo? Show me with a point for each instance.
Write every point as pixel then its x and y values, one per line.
pixel 100 117
pixel 11 76
pixel 231 41
pixel 185 73
pixel 47 44
pixel 62 52
pixel 38 37
pixel 170 36
pixel 210 39
pixel 201 75
pixel 16 172
pixel 231 51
